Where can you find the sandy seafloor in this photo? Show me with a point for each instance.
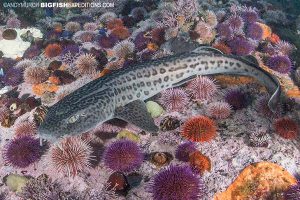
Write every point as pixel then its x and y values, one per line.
pixel 229 151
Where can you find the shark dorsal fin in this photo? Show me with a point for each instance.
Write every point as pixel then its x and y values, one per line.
pixel 136 113
pixel 207 49
pixel 250 59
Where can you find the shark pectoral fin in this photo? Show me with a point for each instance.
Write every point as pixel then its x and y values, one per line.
pixel 184 81
pixel 136 113
pixel 207 49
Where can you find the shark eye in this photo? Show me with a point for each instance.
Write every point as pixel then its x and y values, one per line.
pixel 73 119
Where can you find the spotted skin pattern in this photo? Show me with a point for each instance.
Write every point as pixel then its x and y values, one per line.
pixel 97 101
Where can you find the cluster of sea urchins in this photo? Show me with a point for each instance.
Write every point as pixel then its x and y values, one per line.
pixel 80 50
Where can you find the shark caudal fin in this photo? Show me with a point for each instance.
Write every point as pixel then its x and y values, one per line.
pixel 136 113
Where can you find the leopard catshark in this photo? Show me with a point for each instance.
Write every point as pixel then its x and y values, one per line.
pixel 121 94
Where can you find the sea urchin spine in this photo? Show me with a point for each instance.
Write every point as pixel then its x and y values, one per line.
pixel 123 155
pixel 23 151
pixel 71 155
pixel 176 183
pixel 199 129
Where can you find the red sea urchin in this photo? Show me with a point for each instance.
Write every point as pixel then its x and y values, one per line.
pixel 174 99
pixel 202 88
pixel 281 64
pixel 71 155
pixel 199 129
pixel 53 50
pixel 23 151
pixel 286 128
pixel 123 155
pixel 176 183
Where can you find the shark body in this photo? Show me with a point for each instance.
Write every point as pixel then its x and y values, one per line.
pixel 121 94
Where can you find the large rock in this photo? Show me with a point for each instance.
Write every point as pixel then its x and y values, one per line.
pixel 263 179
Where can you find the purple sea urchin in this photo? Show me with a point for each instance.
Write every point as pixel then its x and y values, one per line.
pixel 141 41
pixel 237 99
pixel 263 108
pixel 225 31
pixel 293 192
pixel 202 88
pixel 71 155
pixel 174 99
pixel 281 64
pixel 108 41
pixel 269 49
pixel 138 13
pixel 13 76
pixel 254 31
pixel 23 151
pixel 218 110
pixel 249 15
pixel 236 22
pixel 123 155
pixel 13 23
pixel 35 75
pixel 42 188
pixel 241 46
pixel 284 48
pixel 184 150
pixel 176 183
pixel 70 53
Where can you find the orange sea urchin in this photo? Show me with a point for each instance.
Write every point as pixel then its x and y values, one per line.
pixel 199 129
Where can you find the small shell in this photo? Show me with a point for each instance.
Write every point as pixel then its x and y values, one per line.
pixel 160 159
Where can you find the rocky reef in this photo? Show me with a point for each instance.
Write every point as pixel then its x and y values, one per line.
pixel 217 139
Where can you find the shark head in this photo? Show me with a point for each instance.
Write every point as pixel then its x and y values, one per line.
pixel 68 118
